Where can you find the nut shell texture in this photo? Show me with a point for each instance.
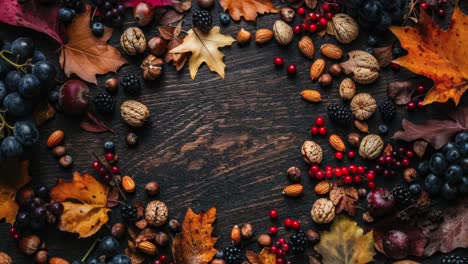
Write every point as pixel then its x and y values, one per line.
pixel 345 28
pixel 363 106
pixel 323 211
pixel 152 67
pixel 312 152
pixel 366 70
pixel 283 32
pixel 371 146
pixel 134 113
pixel 133 41
pixel 156 213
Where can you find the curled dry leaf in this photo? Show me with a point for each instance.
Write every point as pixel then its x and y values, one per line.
pixel 91 123
pixel 419 147
pixel 247 8
pixel 86 216
pixel 15 174
pixel 146 234
pixel 172 34
pixel 312 4
pixel 384 55
pixel 436 132
pixel 135 257
pixel 401 91
pixel 265 257
pixel 112 197
pixel 344 197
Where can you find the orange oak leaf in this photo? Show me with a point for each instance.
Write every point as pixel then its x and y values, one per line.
pixel 247 8
pixel 437 54
pixel 84 200
pixel 86 55
pixel 265 257
pixel 15 174
pixel 195 245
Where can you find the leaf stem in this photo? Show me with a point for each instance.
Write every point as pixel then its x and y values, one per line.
pixel 90 250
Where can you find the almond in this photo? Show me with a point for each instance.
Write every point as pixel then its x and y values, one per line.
pixel 322 187
pixel 293 190
pixel 306 47
pixel 147 247
pixel 336 142
pixel 128 184
pixel 361 126
pixel 331 51
pixel 58 261
pixel 236 235
pixel 313 96
pixel 263 35
pixel 264 240
pixel 316 69
pixel 55 138
pixel 243 36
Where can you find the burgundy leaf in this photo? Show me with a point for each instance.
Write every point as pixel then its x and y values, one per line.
pixel 182 6
pixel 112 197
pixel 401 91
pixel 133 3
pixel 42 18
pixel 92 124
pixel 311 3
pixel 383 55
pixel 167 32
pixel 170 17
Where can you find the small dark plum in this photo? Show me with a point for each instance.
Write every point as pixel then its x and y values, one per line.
pixel 453 155
pixel 432 184
pixel 383 129
pixel 38 56
pixel 423 167
pixel 94 261
pixel 224 18
pixel 98 29
pixel 44 71
pixel 437 163
pixel 464 164
pixel 453 174
pixel 12 80
pixel 464 149
pixel 29 86
pixel 109 146
pixel 448 146
pixel 449 192
pixel 65 15
pixel 26 133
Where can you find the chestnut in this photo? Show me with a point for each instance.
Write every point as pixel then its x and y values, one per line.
pixel 143 13
pixel 157 45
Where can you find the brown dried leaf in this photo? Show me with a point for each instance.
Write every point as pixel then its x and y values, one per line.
pixel 146 234
pixel 344 197
pixel 167 32
pixel 247 8
pixel 15 174
pixel 170 16
pixel 311 3
pixel 112 197
pixel 265 257
pixel 401 91
pixel 384 55
pixel 136 258
pixel 419 147
pixel 91 123
pixel 43 112
pixel 388 149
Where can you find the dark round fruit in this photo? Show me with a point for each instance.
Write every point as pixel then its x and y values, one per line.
pixel 387 110
pixel 454 259
pixel 396 244
pixel 233 255
pixel 104 103
pixel 371 11
pixel 108 246
pixel 448 146
pixel 380 202
pixel 461 138
pixel 383 129
pixel 202 20
pixel 224 18
pixel 464 164
pixel 464 149
pixel 109 146
pixel 423 167
pixel 449 192
pixel 38 223
pixel 432 184
pixel 12 81
pixel 463 188
pixel 38 56
pixel 56 208
pixel 29 86
pixel 340 114
pixel 453 155
pixel 415 189
pixel 437 164
pixel 39 212
pixel 22 49
pixel 26 133
pixel 372 40
pixel 94 261
pixel 98 29
pixel 454 174
pixel 131 84
pixel 10 147
pixel 3 92
pixel 42 192
pixel 22 220
pixel 44 71
pixel 121 259
pixel 65 15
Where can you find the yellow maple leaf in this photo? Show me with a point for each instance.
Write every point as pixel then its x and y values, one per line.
pixel 204 48
pixel 86 216
pixel 346 243
pixel 265 257
pixel 437 54
pixel 247 8
pixel 15 174
pixel 195 245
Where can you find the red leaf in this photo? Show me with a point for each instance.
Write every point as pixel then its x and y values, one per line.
pixel 91 124
pixel 133 3
pixel 436 132
pixel 32 15
pixel 401 91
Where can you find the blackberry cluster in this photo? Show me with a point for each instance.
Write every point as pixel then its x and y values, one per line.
pixel 298 241
pixel 403 196
pixel 111 12
pixel 233 255
pixel 340 114
pixel 104 103
pixel 435 216
pixel 387 110
pixel 129 212
pixel 131 84
pixel 202 20
pixel 454 259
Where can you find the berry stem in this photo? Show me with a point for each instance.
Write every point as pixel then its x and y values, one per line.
pixel 111 173
pixel 89 250
pixel 17 66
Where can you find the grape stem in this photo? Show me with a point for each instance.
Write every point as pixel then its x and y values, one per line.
pixel 90 250
pixel 3 122
pixel 17 66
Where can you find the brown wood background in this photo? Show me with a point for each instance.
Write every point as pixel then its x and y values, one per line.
pixel 213 141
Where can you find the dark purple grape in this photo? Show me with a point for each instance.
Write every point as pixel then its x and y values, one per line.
pixel 56 208
pixel 39 212
pixel 22 220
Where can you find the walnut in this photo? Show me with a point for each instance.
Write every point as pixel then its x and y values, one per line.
pixel 156 213
pixel 311 152
pixel 133 41
pixel 347 89
pixel 134 113
pixel 345 28
pixel 323 211
pixel 152 67
pixel 364 66
pixel 363 106
pixel 371 146
pixel 5 258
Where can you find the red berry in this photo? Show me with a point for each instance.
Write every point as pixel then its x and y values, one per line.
pixel 420 89
pixel 279 261
pixel 305 26
pixel 12 231
pixel 110 156
pixel 163 257
pixel 328 167
pixel 370 176
pixel 329 15
pixel 323 131
pixel 314 130
pixel 292 70
pixel 288 222
pixel 394 66
pixel 273 230
pixel 16 236
pixel 339 155
pixel 281 240
pixel 102 171
pixel 300 11
pixel 296 224
pixel 318 15
pixel 311 16
pixel 424 6
pixel 315 168
pixel 344 171
pixel 381 160
pixel 357 179
pixel 388 159
pixel 352 168
pixel 285 247
pixel 319 121
pixel 278 61
pixel 319 175
pixel 323 21
pixel 361 169
pixel 337 172
pixel 410 106
pixel 312 28
pixel 441 12
pixel 329 174
pixel 405 162
pixel 157 262
pixel 371 185
pixel 348 179
pixel 351 154
pixel 96 166
pixel 273 249
pixel 311 174
pixel 410 154
pixel 279 253
pixel 297 29
pixel 336 6
pixel 115 169
pixel 273 214
pixel 325 7
pixel 107 178
pixel 420 104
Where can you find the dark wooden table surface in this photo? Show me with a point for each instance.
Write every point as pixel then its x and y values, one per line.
pixel 212 141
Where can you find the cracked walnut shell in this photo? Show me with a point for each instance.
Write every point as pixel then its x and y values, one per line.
pixel 156 213
pixel 371 146
pixel 134 113
pixel 323 211
pixel 133 41
pixel 345 28
pixel 312 152
pixel 363 106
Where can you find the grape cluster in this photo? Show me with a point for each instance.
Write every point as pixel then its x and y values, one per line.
pixel 110 12
pixel 69 9
pixel 446 171
pixel 109 248
pixel 25 80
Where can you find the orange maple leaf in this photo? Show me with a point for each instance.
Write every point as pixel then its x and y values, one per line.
pixel 86 55
pixel 437 54
pixel 264 257
pixel 247 8
pixel 15 174
pixel 86 216
pixel 195 245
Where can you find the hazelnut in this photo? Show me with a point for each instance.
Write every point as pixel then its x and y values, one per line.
pixel 156 213
pixel 29 245
pixel 335 70
pixel 313 236
pixel 367 217
pixel 112 85
pixel 152 67
pixel 243 36
pixel 205 3
pixel 362 192
pixel 161 239
pixel 59 151
pixel 143 13
pixel 118 230
pixel 325 80
pixel 65 161
pixel 294 174
pixel 152 188
pixel 287 14
pixel 354 139
pixel 264 240
pixel 131 139
pixel 40 257
pixel 24 195
pixel 410 175
pixel 174 225
pixel 157 45
pixel 247 231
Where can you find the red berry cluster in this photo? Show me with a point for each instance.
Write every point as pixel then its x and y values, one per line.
pixel 437 6
pixel 279 62
pixel 281 246
pixel 14 233
pixel 314 21
pixel 350 174
pixel 106 170
pixel 388 164
pixel 319 128
pixel 163 259
pixel 416 103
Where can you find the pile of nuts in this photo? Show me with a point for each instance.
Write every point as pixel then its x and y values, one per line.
pixel 59 151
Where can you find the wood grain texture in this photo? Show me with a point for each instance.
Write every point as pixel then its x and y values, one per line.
pixel 213 142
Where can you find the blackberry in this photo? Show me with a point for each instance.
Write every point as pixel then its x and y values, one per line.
pixel 454 259
pixel 402 195
pixel 232 255
pixel 130 84
pixel 298 241
pixel 340 114
pixel 202 20
pixel 387 110
pixel 435 216
pixel 104 103
pixel 129 212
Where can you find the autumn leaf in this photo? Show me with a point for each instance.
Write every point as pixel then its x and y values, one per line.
pixel 91 123
pixel 173 35
pixel 429 55
pixel 247 8
pixel 346 243
pixel 401 91
pixel 344 197
pixel 384 55
pixel 15 174
pixel 133 3
pixel 84 200
pixel 195 245
pixel 204 48
pixel 86 55
pixel 43 112
pixel 265 257
pixel 435 132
